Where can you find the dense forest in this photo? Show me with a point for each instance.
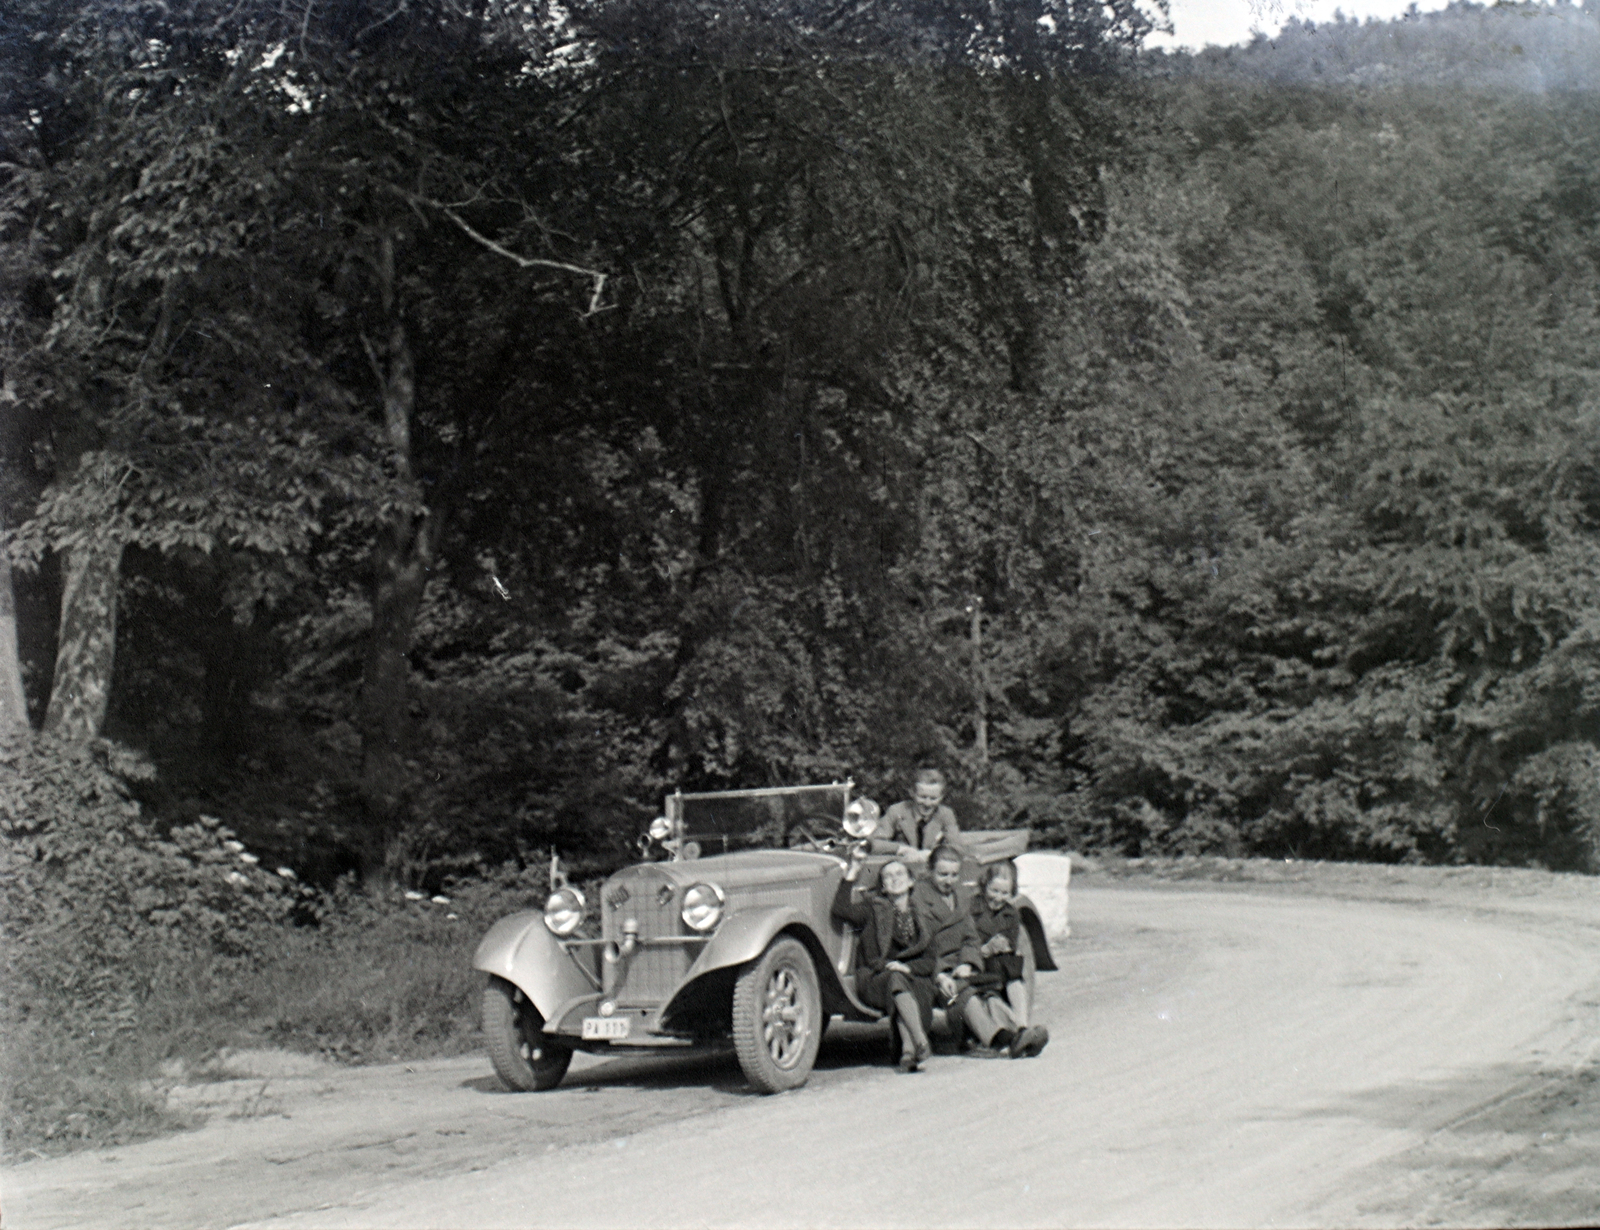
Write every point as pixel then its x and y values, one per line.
pixel 436 429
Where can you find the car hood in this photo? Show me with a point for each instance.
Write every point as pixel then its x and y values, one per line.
pixel 748 867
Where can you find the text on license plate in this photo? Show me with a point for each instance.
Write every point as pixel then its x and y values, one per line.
pixel 606 1026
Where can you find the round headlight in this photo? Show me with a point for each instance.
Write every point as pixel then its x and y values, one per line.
pixel 861 818
pixel 563 911
pixel 702 907
pixel 660 829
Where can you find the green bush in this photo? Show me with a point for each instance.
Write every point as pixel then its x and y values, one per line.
pixel 127 947
pixel 104 916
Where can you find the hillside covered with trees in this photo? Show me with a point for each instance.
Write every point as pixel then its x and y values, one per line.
pixel 435 430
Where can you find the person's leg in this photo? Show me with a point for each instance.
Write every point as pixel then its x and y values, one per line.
pixel 907 1060
pixel 1002 1014
pixel 984 1027
pixel 1017 999
pixel 909 1020
pixel 911 1012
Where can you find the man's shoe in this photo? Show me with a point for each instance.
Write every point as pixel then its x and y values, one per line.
pixel 1030 1042
pixel 1003 1040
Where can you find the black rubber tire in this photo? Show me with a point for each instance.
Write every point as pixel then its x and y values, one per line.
pixel 777 1017
pixel 524 1056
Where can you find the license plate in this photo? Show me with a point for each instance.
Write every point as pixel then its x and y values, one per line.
pixel 606 1026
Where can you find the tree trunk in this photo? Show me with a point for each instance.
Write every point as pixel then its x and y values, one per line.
pixel 13 700
pixel 86 647
pixel 401 561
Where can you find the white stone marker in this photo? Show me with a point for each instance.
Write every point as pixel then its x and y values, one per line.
pixel 1043 877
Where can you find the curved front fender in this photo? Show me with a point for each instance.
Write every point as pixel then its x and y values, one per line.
pixel 1042 958
pixel 520 949
pixel 745 936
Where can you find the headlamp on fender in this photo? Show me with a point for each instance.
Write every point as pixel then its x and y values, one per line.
pixel 563 911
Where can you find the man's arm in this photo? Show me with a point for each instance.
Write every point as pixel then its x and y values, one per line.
pixel 971 953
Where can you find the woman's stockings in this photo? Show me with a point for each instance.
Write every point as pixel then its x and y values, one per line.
pixel 910 1022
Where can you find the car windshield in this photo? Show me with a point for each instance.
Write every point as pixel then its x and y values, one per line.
pixel 759 819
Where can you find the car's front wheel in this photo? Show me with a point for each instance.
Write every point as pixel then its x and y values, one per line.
pixel 524 1056
pixel 777 1017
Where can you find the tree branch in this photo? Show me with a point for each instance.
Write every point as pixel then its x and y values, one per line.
pixel 596 277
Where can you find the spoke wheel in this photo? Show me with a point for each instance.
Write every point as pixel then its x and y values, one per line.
pixel 524 1056
pixel 777 1017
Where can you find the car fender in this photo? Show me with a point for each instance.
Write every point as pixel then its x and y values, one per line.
pixel 1029 913
pixel 520 949
pixel 745 936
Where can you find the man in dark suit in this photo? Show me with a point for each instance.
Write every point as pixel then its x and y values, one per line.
pixel 946 914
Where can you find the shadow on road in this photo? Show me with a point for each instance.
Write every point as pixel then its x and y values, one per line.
pixel 846 1046
pixel 1509 1145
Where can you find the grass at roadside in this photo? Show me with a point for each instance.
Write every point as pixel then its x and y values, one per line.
pixel 1479 885
pixel 378 979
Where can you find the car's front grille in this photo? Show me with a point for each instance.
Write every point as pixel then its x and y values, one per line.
pixel 653 972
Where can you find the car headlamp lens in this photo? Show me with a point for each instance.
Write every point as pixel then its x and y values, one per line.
pixel 861 818
pixel 563 911
pixel 702 907
pixel 660 829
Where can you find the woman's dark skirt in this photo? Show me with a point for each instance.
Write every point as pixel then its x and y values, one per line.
pixel 878 988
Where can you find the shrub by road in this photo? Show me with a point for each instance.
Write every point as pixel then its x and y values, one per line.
pixel 129 953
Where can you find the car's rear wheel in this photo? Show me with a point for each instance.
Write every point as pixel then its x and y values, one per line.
pixel 524 1056
pixel 777 1017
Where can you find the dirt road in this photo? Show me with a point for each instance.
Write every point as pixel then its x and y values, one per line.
pixel 1218 1059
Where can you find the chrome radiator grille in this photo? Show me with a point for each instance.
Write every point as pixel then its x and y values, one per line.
pixel 652 973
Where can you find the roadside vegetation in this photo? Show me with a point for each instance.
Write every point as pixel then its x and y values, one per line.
pixel 431 433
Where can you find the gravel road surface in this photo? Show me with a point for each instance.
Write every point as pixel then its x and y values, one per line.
pixel 1218 1059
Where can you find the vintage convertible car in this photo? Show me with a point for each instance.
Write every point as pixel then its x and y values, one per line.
pixel 729 934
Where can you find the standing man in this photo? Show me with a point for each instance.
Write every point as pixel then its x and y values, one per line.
pixel 919 823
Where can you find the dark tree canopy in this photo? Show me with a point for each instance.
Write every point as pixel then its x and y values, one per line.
pixel 435 430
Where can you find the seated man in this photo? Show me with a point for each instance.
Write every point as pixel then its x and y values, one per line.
pixel 945 914
pixel 918 824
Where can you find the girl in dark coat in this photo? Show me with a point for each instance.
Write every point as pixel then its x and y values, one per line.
pixel 894 970
pixel 994 913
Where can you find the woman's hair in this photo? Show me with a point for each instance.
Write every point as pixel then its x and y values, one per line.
pixel 928 777
pixel 894 862
pixel 994 871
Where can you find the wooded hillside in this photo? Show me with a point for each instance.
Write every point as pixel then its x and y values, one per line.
pixel 435 430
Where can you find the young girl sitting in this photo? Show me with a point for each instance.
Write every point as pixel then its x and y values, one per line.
pixel 1005 988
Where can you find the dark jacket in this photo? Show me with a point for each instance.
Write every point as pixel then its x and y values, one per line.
pixel 874 914
pixel 1001 967
pixel 954 937
pixel 990 923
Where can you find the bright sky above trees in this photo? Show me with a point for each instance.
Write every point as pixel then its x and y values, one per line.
pixel 1199 22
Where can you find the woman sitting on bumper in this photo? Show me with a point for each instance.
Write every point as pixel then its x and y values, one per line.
pixel 893 967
